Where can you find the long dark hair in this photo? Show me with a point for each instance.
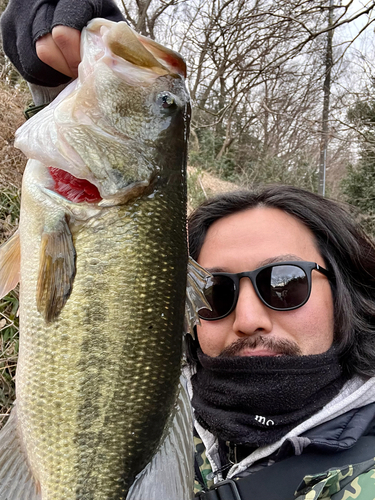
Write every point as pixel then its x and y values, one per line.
pixel 347 251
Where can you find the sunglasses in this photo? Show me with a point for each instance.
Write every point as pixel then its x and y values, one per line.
pixel 282 286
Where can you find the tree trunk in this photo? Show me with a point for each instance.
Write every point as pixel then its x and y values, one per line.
pixel 326 97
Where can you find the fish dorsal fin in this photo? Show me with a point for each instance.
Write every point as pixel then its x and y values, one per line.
pixel 16 479
pixel 170 474
pixel 197 280
pixel 9 264
pixel 56 270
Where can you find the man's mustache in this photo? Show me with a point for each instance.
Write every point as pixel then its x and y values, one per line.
pixel 278 346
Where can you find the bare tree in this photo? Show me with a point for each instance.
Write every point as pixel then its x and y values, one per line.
pixel 256 73
pixel 326 99
pixel 143 15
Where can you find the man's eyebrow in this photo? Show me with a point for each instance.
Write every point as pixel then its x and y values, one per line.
pixel 217 270
pixel 280 258
pixel 271 260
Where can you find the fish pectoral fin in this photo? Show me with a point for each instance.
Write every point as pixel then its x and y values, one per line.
pixel 197 280
pixel 56 269
pixel 9 264
pixel 16 479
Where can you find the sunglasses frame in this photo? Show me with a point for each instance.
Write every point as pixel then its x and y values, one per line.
pixel 307 267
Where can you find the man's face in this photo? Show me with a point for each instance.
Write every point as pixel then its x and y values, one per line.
pixel 243 242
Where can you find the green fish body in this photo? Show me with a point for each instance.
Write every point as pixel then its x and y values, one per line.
pixel 102 281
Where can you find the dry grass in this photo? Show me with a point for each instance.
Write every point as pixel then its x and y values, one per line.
pixel 9 329
pixel 12 161
pixel 12 164
pixel 202 185
pixel 9 340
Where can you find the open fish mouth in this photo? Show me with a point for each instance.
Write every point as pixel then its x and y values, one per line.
pixel 141 52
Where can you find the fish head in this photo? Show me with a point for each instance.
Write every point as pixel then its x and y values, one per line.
pixel 123 124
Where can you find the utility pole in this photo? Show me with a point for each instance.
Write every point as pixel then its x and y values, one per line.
pixel 326 97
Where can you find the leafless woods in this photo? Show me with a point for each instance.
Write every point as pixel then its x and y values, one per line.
pixel 256 74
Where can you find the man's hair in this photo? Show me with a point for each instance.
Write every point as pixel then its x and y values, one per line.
pixel 348 253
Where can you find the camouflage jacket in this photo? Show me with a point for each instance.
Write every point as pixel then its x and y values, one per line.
pixel 353 481
pixel 341 483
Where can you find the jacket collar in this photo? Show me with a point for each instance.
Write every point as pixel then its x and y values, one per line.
pixel 335 427
pixel 356 393
pixel 338 434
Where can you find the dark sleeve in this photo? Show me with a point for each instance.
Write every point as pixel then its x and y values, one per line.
pixel 24 21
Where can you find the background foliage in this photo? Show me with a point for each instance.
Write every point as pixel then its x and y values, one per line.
pixel 358 185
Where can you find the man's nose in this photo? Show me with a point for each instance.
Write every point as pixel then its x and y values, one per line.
pixel 251 315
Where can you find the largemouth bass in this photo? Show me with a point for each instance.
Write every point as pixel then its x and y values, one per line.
pixel 100 414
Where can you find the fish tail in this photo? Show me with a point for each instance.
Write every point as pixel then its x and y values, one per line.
pixel 16 479
pixel 170 474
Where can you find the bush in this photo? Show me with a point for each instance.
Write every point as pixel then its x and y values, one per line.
pixel 246 164
pixel 358 186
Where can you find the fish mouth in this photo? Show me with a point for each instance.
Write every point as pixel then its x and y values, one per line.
pixel 136 49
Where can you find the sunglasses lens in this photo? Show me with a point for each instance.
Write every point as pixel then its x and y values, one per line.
pixel 283 287
pixel 220 296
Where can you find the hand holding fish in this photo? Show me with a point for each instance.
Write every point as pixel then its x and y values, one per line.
pixel 23 24
pixel 60 49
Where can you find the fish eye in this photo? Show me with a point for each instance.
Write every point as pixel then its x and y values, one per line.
pixel 166 100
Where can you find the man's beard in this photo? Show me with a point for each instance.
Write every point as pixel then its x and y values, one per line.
pixel 277 346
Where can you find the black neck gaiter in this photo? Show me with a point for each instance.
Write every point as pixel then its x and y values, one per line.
pixel 256 400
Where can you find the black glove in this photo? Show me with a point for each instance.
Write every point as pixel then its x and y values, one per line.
pixel 24 21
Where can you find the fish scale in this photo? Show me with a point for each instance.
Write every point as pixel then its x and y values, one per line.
pixel 110 343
